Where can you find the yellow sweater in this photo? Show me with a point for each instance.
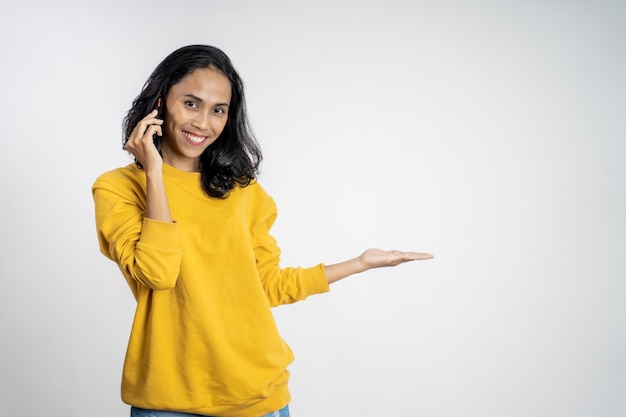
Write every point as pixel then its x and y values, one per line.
pixel 203 339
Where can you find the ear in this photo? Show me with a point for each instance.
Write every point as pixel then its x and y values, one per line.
pixel 159 103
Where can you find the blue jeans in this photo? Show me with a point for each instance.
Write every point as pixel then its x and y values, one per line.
pixel 140 412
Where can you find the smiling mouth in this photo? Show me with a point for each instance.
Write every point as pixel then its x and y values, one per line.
pixel 194 139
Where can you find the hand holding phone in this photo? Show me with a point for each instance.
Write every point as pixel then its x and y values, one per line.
pixel 145 140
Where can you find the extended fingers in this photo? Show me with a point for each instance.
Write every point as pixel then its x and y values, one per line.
pixel 397 257
pixel 406 256
pixel 417 256
pixel 374 258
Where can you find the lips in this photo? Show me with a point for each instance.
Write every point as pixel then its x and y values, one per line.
pixel 194 139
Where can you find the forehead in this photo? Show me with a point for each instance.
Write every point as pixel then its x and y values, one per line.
pixel 206 83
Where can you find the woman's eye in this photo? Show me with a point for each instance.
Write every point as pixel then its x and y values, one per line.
pixel 219 111
pixel 191 104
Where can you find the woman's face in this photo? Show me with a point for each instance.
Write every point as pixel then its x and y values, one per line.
pixel 196 111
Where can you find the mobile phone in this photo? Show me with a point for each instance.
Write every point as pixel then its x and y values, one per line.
pixel 156 138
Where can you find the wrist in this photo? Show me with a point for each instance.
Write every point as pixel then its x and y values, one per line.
pixel 154 172
pixel 359 264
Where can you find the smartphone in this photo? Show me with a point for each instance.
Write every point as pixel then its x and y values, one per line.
pixel 156 138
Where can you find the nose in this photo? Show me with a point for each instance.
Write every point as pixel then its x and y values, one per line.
pixel 202 120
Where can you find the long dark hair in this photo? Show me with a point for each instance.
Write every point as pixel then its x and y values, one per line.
pixel 235 156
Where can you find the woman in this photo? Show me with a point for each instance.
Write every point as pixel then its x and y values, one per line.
pixel 188 225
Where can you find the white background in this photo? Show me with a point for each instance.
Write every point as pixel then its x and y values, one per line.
pixel 490 133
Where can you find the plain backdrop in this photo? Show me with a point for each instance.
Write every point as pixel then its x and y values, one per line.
pixel 489 133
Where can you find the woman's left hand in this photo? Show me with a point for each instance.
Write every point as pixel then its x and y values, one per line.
pixel 371 258
pixel 376 258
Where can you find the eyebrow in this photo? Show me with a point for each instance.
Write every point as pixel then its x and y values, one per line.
pixel 201 101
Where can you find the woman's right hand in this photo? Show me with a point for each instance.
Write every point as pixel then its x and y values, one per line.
pixel 141 143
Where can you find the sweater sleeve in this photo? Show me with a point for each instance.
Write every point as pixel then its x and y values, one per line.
pixel 284 285
pixel 147 251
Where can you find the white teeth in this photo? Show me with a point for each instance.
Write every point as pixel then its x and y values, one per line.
pixel 194 138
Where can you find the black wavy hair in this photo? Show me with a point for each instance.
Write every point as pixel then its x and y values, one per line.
pixel 235 156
